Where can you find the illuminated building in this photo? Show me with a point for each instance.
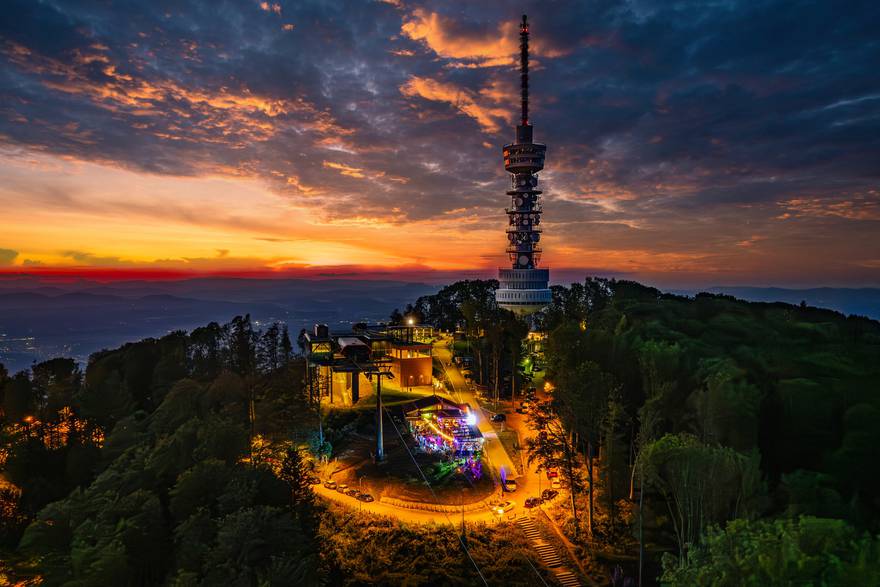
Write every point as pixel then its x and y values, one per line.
pixel 337 364
pixel 441 425
pixel 523 288
pixel 411 363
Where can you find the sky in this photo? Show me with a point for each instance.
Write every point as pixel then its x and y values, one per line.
pixel 689 143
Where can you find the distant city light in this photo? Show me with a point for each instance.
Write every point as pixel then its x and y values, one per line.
pixel 410 321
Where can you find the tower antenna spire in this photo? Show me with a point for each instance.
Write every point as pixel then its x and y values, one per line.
pixel 524 68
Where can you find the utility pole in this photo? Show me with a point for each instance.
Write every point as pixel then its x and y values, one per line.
pixel 379 373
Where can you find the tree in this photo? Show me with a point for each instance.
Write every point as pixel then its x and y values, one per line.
pixel 552 447
pixel 295 473
pixel 253 542
pixel 198 487
pixel 802 551
pixel 286 346
pixel 614 451
pixel 18 398
pixel 242 345
pixel 728 407
pixel 658 364
pixel 269 351
pixel 55 382
pixel 206 350
pixel 701 484
pixel 581 398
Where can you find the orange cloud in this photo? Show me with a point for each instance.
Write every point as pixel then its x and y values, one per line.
pixel 855 207
pixel 462 99
pixel 275 7
pixel 346 170
pixel 440 35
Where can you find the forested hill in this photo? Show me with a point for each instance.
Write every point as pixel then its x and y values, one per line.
pixel 795 388
pixel 187 460
pixel 720 410
pixel 802 384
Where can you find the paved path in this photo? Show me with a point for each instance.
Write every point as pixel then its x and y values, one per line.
pixel 406 514
pixel 492 447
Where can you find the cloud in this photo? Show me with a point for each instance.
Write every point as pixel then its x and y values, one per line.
pixel 7 256
pixel 481 47
pixel 856 207
pixel 461 99
pixel 346 170
pixel 671 131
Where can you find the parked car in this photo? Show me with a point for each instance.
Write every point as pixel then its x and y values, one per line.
pixel 549 494
pixel 352 492
pixel 330 484
pixel 314 480
pixel 533 502
pixel 556 483
pixel 499 418
pixel 504 507
pixel 510 484
pixel 365 497
pixel 342 487
pixel 520 410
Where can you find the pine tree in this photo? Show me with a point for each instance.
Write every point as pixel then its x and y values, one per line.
pixel 295 473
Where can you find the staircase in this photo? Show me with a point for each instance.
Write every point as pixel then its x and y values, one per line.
pixel 548 553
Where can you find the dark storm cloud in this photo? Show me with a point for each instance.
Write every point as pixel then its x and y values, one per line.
pixel 652 110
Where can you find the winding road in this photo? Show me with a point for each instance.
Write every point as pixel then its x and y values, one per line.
pixel 528 484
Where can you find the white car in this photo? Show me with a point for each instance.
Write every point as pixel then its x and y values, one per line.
pixel 556 483
pixel 504 507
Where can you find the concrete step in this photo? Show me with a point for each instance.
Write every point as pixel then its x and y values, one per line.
pixel 546 552
pixel 566 578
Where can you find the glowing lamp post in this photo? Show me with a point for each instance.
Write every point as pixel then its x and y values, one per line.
pixel 410 323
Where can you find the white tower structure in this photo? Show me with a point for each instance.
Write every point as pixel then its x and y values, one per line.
pixel 523 288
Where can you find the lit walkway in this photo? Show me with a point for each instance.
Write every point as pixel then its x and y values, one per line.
pixel 492 446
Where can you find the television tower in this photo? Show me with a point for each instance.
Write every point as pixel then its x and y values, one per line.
pixel 523 289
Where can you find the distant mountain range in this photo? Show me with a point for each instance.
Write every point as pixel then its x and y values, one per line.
pixel 42 318
pixel 860 301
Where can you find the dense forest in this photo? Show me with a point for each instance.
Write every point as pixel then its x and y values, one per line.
pixel 704 440
pixel 186 460
pixel 735 441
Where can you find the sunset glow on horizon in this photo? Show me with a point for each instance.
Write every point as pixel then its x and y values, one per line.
pixel 365 140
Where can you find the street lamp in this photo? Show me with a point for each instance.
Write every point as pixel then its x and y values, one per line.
pixel 410 322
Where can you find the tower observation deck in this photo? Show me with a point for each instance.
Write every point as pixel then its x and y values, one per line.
pixel 523 289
